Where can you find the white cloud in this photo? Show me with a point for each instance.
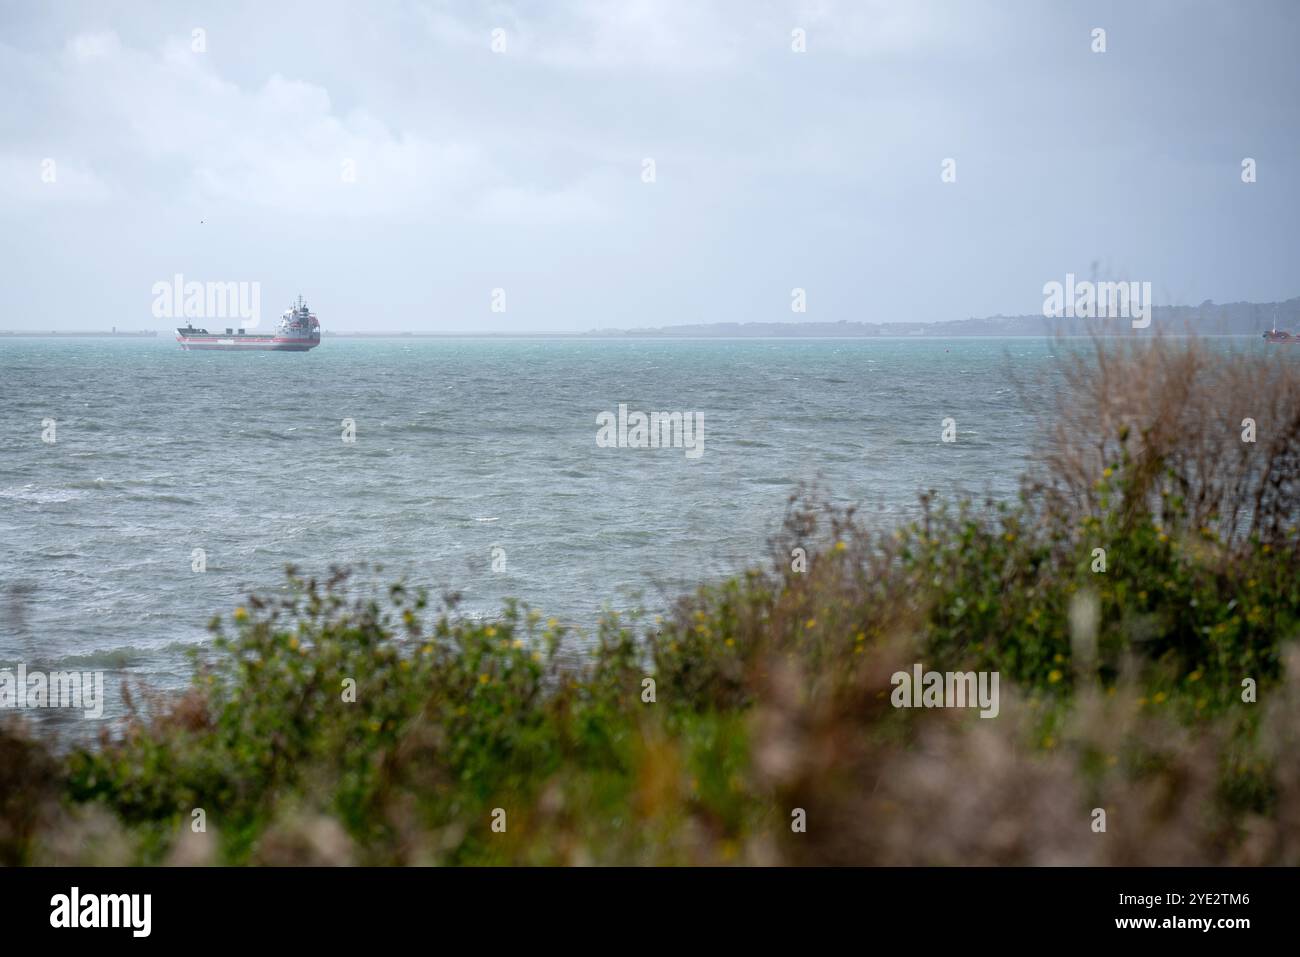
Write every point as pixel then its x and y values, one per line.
pixel 165 124
pixel 643 34
pixel 528 206
pixel 27 179
pixel 583 35
pixel 690 36
pixel 94 46
pixel 281 146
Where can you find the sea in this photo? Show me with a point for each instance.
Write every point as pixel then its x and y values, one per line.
pixel 145 489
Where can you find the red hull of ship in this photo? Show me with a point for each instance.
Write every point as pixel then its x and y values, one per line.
pixel 246 343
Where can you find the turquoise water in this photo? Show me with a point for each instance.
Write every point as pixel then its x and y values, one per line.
pixel 461 446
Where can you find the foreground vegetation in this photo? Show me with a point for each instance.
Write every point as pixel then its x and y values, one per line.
pixel 1139 602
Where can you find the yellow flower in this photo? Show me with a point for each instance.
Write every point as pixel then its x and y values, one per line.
pixel 516 644
pixel 552 622
pixel 1049 742
pixel 1195 675
pixel 483 679
pixel 1107 472
pixel 730 642
pixel 811 623
pixel 1054 676
pixel 862 636
pixel 1160 697
pixel 491 631
pixel 1009 536
pixel 293 644
pixel 241 613
pixel 840 546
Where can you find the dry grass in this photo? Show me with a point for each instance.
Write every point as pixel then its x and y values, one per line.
pixel 1175 411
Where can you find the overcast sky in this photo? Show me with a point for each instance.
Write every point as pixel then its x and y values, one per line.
pixel 523 169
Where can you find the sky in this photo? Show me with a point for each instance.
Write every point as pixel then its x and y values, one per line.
pixel 384 160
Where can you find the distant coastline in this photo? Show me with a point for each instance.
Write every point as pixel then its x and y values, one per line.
pixel 55 334
pixel 1207 319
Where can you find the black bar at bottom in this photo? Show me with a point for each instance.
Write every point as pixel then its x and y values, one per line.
pixel 972 906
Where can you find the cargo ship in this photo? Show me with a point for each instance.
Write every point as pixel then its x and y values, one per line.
pixel 298 331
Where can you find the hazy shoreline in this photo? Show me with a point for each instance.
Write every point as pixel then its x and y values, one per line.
pixel 1208 320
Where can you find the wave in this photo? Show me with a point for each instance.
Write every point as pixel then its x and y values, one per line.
pixel 30 493
pixel 119 658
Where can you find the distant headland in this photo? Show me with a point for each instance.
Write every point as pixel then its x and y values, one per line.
pixel 1207 319
pixel 56 334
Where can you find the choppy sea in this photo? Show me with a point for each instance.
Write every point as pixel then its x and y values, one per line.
pixel 462 446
